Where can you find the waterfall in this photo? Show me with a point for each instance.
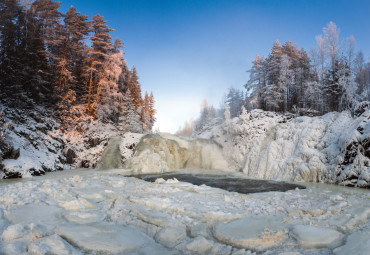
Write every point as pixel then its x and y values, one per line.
pixel 111 157
pixel 158 153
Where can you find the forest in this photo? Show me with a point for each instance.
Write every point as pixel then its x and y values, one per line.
pixel 332 76
pixel 70 64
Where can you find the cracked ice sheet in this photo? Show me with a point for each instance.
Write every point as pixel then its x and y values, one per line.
pixel 105 212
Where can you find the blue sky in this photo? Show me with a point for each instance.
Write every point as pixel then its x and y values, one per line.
pixel 185 50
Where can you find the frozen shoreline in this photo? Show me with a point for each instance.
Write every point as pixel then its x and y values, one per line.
pixel 79 211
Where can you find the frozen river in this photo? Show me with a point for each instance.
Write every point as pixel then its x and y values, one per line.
pixel 106 212
pixel 226 182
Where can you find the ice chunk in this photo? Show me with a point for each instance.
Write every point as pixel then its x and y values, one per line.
pixel 312 237
pixel 104 237
pixel 172 181
pixel 84 217
pixel 290 253
pixel 255 233
pixel 14 232
pixel 199 230
pixel 359 216
pixel 160 181
pixel 77 204
pixel 18 248
pixel 52 245
pixel 38 231
pixel 171 236
pixel 199 245
pixel 27 214
pixel 357 243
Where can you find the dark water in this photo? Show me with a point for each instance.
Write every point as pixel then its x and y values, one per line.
pixel 228 183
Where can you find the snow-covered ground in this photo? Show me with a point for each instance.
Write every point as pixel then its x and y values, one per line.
pixel 104 212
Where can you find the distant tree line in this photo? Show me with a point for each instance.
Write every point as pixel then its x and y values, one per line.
pixel 334 78
pixel 67 62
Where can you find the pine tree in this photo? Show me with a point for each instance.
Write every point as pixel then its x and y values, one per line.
pixel 303 76
pixel 77 29
pixel 110 97
pixel 47 12
pixel 145 113
pixel 273 73
pixel 235 100
pixel 348 86
pixel 256 85
pixel 36 75
pixel 152 110
pixel 285 83
pixel 132 121
pixel 101 45
pixel 11 38
pixel 135 88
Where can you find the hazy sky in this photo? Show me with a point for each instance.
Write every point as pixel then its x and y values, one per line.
pixel 185 51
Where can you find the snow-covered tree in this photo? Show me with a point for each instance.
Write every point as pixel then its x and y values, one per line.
pixel 333 42
pixel 244 116
pixel 187 129
pixel 256 86
pixel 109 98
pixel 235 99
pixel 285 83
pixel 145 114
pixel 152 110
pixel 207 113
pixel 135 88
